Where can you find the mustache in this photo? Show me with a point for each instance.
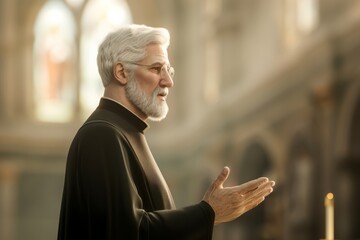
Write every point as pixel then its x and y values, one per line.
pixel 161 91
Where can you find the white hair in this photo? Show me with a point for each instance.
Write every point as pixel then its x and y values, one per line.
pixel 127 44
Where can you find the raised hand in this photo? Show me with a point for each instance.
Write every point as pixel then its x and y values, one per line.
pixel 229 203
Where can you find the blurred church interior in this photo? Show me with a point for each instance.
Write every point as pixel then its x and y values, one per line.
pixel 266 87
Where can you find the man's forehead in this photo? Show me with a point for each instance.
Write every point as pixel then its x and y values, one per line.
pixel 156 53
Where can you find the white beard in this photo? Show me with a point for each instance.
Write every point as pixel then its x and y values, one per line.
pixel 147 104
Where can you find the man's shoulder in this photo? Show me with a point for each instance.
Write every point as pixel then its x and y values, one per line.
pixel 98 134
pixel 100 127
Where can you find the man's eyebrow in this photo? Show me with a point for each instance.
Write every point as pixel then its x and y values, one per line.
pixel 156 63
pixel 159 62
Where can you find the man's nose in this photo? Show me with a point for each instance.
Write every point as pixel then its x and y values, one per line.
pixel 166 80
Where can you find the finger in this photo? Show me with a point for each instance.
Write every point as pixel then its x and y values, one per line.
pixel 250 186
pixel 266 186
pixel 218 181
pixel 256 195
pixel 222 177
pixel 254 184
pixel 262 191
pixel 272 183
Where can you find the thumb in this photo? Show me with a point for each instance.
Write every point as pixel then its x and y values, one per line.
pixel 218 183
pixel 222 177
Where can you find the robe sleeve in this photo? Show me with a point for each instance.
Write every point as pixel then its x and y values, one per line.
pixel 102 199
pixel 189 223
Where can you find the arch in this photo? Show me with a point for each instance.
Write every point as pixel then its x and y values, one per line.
pixel 274 146
pixel 301 189
pixel 254 162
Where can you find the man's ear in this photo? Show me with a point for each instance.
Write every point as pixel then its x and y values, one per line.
pixel 120 74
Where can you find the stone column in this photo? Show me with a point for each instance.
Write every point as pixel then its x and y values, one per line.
pixel 325 105
pixel 8 200
pixel 7 57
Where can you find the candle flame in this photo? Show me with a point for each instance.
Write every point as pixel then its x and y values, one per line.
pixel 329 196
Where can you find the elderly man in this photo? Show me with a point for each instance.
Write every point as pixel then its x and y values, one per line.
pixel 113 186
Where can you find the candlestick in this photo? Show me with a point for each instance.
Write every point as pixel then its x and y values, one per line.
pixel 329 216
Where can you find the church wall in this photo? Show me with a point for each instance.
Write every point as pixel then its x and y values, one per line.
pixel 300 111
pixel 301 97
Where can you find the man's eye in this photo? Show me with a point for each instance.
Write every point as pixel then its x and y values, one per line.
pixel 156 69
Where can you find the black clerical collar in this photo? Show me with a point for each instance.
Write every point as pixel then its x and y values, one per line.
pixel 118 108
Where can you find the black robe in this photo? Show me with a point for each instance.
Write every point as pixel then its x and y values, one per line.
pixel 114 189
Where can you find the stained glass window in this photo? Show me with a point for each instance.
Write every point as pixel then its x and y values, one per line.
pixel 54 56
pixel 66 81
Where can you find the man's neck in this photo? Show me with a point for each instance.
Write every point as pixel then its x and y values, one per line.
pixel 118 95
